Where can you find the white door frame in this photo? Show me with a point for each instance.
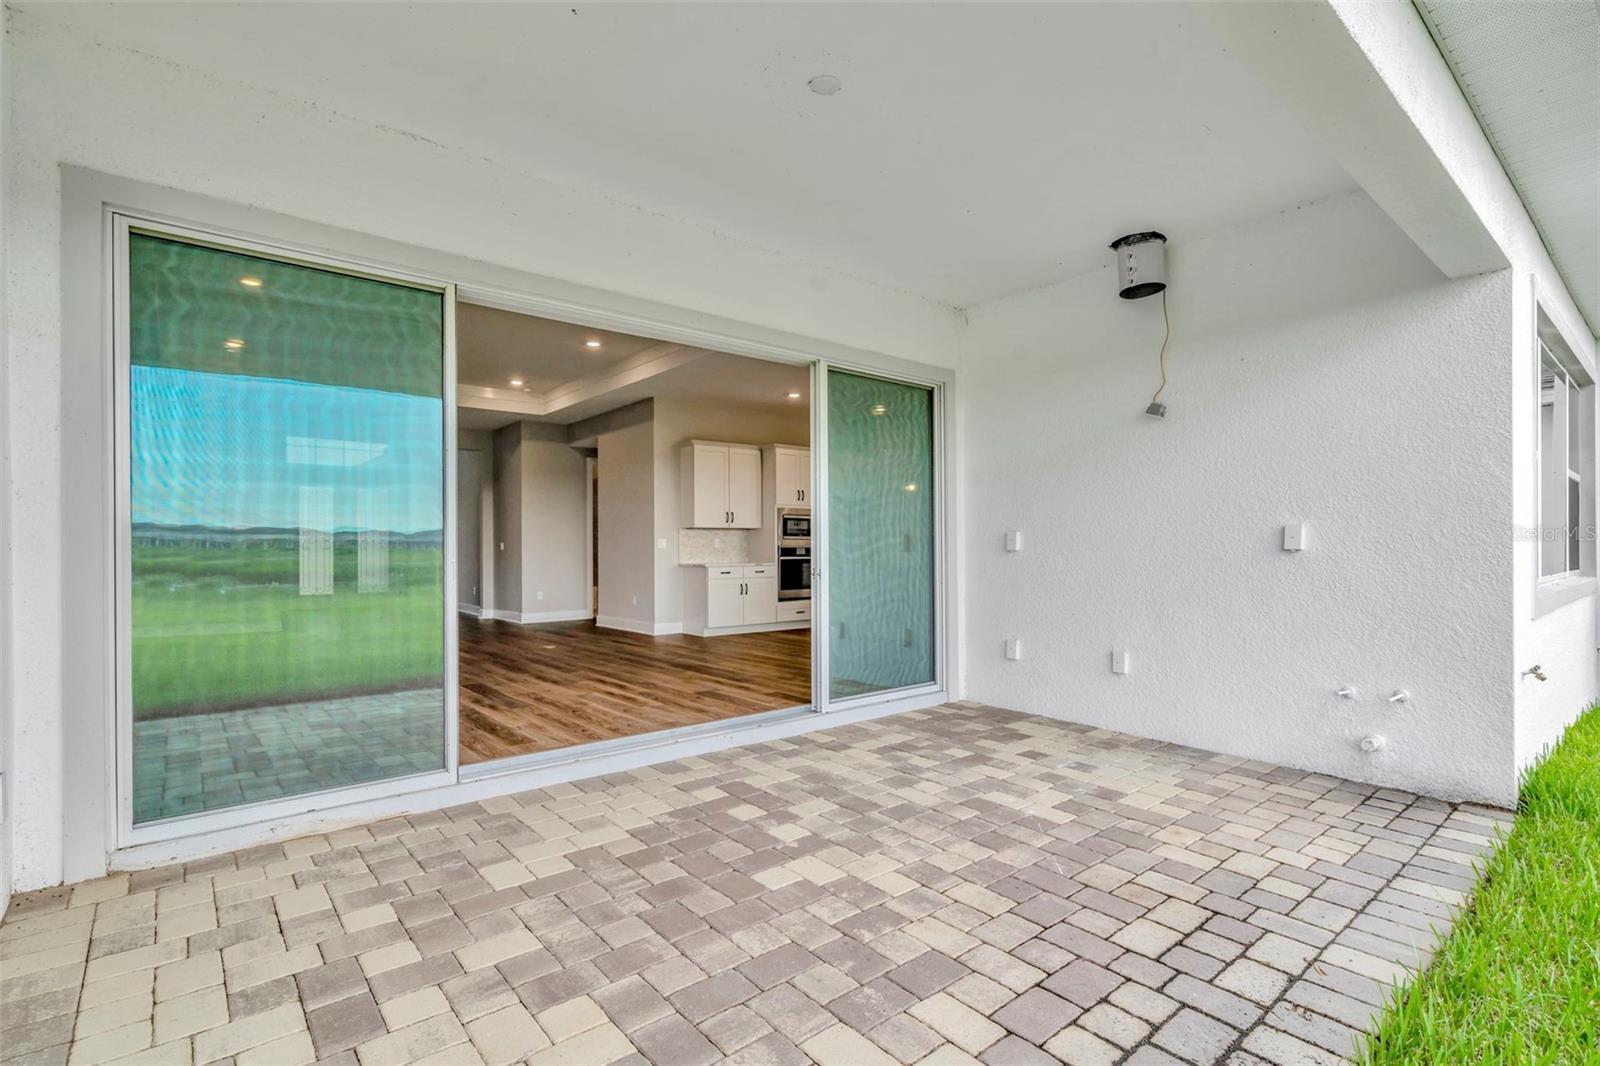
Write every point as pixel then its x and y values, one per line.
pixel 120 775
pixel 92 839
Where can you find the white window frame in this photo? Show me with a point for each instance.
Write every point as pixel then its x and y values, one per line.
pixel 120 225
pixel 1571 582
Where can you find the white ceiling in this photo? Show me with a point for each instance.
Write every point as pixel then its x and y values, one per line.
pixel 494 346
pixel 565 382
pixel 1531 72
pixel 975 150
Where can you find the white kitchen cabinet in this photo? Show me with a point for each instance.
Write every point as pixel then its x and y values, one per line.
pixel 744 487
pixel 724 602
pixel 736 599
pixel 792 476
pixel 720 485
pixel 760 600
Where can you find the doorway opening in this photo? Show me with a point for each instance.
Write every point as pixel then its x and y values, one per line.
pixel 640 515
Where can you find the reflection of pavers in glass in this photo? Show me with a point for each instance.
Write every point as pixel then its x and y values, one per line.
pixel 202 762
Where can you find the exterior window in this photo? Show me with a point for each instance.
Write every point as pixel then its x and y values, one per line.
pixel 1566 441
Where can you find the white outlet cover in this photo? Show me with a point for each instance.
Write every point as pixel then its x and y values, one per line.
pixel 1119 663
pixel 1014 648
pixel 1013 540
pixel 1294 537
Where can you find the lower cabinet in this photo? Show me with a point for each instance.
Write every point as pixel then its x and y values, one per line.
pixel 734 597
pixel 794 610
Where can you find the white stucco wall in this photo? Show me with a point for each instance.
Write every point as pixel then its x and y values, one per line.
pixel 1322 371
pixel 72 101
pixel 1561 642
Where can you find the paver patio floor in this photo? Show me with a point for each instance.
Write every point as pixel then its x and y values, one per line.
pixel 958 884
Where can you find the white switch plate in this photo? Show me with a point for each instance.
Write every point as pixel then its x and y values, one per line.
pixel 1013 648
pixel 1294 537
pixel 1014 540
pixel 1119 663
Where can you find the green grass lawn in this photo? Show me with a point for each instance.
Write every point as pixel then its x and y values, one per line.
pixel 227 627
pixel 1518 980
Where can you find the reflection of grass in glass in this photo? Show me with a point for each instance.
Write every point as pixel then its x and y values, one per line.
pixel 219 628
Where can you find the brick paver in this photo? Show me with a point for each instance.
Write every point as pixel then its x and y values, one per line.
pixel 955 885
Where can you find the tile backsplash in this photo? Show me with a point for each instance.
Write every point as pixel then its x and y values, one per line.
pixel 714 547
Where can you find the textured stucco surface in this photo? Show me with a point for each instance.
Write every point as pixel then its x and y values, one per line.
pixel 1561 642
pixel 1322 372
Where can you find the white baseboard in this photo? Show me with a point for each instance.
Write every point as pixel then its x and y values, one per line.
pixel 528 618
pixel 630 625
pixel 471 609
pixel 766 627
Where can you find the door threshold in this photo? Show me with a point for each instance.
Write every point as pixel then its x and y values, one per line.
pixel 599 749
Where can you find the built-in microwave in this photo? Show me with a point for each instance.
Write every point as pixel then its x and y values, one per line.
pixel 794 523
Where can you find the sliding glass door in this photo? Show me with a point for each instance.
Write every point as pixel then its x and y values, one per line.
pixel 283 550
pixel 881 515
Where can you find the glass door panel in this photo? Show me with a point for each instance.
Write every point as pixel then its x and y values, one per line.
pixel 285 608
pixel 880 535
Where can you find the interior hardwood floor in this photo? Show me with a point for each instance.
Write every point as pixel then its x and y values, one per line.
pixel 529 688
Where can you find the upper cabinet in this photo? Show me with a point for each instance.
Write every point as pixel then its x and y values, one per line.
pixel 720 485
pixel 792 467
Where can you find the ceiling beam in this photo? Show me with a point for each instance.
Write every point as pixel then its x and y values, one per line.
pixel 639 367
pixel 1307 55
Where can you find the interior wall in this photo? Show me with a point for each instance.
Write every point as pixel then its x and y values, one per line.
pixel 626 521
pixel 1322 371
pixel 6 745
pixel 677 421
pixel 508 518
pixel 1561 642
pixel 554 524
pixel 474 521
pixel 469 528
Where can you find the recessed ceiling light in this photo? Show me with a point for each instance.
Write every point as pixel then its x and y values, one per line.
pixel 592 342
pixel 250 282
pixel 879 409
pixel 794 396
pixel 516 383
pixel 825 84
pixel 233 344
